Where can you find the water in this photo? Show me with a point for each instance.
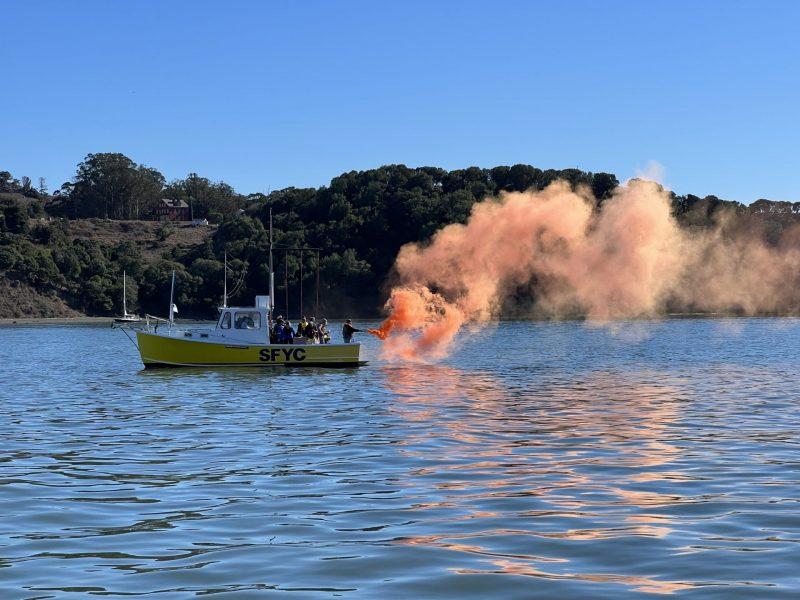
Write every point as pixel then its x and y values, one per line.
pixel 542 460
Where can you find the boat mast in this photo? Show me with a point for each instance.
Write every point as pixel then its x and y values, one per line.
pixel 171 304
pixel 124 294
pixel 271 271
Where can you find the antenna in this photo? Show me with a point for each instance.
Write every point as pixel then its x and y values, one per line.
pixel 271 271
pixel 225 284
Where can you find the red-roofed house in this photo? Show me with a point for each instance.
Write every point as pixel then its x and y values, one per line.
pixel 173 210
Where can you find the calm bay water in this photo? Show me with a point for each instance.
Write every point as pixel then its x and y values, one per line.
pixel 542 460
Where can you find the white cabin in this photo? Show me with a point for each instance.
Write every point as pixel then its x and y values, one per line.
pixel 239 324
pixel 245 323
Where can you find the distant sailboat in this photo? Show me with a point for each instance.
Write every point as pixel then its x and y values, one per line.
pixel 126 316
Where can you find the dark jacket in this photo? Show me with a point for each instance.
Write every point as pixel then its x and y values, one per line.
pixel 347 332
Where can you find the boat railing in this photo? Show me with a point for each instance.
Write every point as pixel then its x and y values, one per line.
pixel 151 322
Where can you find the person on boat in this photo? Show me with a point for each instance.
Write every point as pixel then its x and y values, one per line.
pixel 301 326
pixel 324 334
pixel 277 331
pixel 348 330
pixel 245 322
pixel 310 332
pixel 287 334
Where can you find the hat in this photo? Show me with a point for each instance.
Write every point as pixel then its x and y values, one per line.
pixel 311 319
pixel 324 321
pixel 347 321
pixel 280 320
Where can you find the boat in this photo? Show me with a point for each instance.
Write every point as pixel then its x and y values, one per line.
pixel 126 317
pixel 241 338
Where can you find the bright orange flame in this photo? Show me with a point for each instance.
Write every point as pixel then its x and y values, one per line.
pixel 432 319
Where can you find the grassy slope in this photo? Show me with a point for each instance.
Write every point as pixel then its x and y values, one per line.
pixel 21 300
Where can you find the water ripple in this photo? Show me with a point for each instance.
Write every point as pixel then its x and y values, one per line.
pixel 544 460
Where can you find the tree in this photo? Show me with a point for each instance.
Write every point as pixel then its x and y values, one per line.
pixel 128 258
pixel 15 216
pixel 112 186
pixel 8 257
pixel 210 275
pixel 524 177
pixel 5 181
pixel 206 199
pixel 96 295
pixel 146 192
pixel 603 184
pixel 576 177
pixel 518 178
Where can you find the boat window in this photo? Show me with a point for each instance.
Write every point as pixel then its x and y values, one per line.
pixel 226 321
pixel 248 320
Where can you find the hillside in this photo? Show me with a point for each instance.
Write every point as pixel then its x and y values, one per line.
pixel 19 298
pixel 145 234
pixel 334 246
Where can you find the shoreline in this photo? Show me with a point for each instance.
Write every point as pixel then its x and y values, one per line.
pixel 56 321
pixel 81 320
pixel 108 321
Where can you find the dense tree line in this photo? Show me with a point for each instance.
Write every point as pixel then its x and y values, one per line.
pixel 348 231
pixel 112 186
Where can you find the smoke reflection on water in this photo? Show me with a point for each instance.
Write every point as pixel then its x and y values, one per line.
pixel 563 463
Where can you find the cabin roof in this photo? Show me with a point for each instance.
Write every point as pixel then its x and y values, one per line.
pixel 173 203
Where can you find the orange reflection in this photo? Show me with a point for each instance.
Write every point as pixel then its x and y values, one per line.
pixel 591 451
pixel 505 564
pixel 639 584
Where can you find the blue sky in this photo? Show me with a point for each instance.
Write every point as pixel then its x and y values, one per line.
pixel 264 95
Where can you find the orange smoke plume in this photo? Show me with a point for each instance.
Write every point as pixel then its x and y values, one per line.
pixel 432 319
pixel 556 254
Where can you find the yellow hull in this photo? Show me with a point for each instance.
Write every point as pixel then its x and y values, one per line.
pixel 159 350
